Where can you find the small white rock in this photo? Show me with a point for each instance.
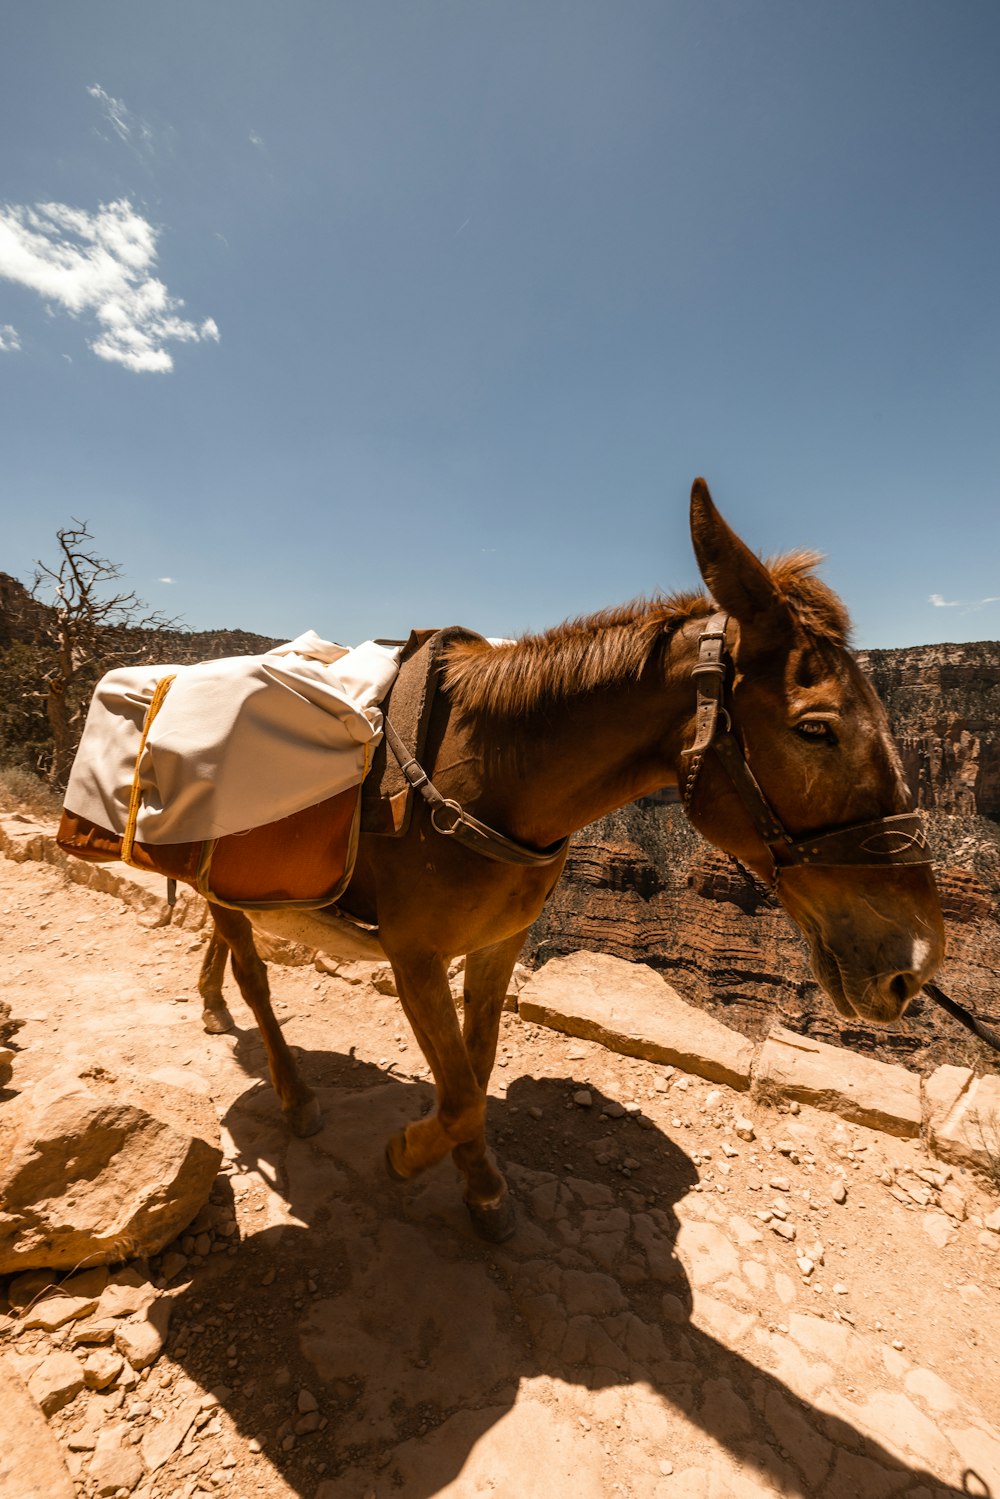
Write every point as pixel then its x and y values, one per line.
pixel 102 1368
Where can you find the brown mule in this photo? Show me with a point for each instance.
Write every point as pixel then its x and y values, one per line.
pixel 540 737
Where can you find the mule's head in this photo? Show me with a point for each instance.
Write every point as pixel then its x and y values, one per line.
pixel 817 740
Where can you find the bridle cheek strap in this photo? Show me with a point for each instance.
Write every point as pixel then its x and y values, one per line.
pixel 883 843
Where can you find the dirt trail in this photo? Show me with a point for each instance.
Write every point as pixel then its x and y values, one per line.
pixel 651 1332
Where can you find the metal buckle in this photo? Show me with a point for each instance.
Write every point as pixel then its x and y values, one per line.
pixel 454 809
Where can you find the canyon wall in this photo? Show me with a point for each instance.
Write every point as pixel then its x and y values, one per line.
pixel 944 705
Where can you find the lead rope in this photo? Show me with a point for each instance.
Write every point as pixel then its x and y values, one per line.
pixel 965 1017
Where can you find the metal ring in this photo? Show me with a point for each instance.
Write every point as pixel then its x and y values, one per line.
pixel 449 806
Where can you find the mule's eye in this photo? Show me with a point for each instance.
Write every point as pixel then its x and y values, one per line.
pixel 817 730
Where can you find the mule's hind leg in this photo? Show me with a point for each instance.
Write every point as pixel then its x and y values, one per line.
pixel 297 1100
pixel 215 1016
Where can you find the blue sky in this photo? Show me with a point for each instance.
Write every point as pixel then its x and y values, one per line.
pixel 360 316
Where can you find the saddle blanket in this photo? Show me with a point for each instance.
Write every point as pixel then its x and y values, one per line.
pixel 184 754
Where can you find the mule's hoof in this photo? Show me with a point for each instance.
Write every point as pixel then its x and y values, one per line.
pixel 496 1221
pixel 217 1021
pixel 305 1119
pixel 390 1165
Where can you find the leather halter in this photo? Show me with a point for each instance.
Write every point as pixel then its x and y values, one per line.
pixel 884 843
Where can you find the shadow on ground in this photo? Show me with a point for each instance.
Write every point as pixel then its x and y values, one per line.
pixel 415 1338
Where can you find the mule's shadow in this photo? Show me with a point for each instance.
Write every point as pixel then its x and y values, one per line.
pixel 414 1337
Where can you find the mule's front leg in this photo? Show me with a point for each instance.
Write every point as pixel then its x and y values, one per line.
pixel 458 1124
pixel 487 976
pixel 297 1100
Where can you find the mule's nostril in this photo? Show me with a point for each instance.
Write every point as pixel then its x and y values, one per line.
pixel 903 987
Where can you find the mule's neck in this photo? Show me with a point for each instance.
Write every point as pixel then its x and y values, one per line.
pixel 594 751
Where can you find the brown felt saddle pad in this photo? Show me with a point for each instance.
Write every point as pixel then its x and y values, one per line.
pixel 306 858
pixel 387 796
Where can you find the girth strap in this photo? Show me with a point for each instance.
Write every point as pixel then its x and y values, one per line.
pixel 451 820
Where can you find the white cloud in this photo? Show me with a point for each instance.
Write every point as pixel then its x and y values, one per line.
pixel 99 264
pixel 127 126
pixel 164 580
pixel 940 602
pixel 10 339
pixel 114 111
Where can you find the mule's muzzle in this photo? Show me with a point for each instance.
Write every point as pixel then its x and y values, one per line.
pixel 878 998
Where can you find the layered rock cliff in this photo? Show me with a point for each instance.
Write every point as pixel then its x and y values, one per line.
pixel 641 884
pixel 944 704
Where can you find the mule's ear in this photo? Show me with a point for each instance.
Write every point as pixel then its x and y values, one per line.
pixel 737 580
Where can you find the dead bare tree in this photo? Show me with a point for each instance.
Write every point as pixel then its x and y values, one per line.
pixel 83 625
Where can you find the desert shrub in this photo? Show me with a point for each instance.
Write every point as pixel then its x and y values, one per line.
pixel 23 791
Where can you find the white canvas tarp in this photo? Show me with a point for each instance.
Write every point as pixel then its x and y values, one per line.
pixel 236 743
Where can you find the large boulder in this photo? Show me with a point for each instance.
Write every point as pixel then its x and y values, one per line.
pixel 31 1465
pixel 962 1118
pixel 97 1167
pixel 877 1094
pixel 629 1008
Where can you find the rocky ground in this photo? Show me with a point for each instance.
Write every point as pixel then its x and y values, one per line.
pixel 706 1298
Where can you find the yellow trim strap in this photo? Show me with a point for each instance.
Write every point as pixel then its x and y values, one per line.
pixel 135 800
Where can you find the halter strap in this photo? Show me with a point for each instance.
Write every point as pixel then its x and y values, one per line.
pixel 881 843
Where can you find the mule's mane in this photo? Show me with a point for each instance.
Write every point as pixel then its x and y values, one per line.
pixel 615 646
pixel 817 609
